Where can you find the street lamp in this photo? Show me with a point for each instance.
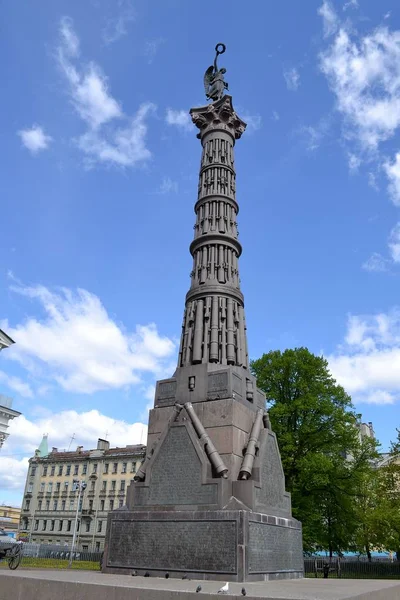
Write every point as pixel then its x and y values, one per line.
pixel 80 486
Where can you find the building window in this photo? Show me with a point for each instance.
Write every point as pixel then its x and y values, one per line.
pixel 94 468
pixel 115 467
pixel 40 505
pixel 90 504
pixel 52 523
pixel 92 486
pixel 84 469
pixel 33 471
pixel 121 503
pixel 65 486
pixel 87 526
pixel 55 504
pixel 50 487
pixel 36 524
pixel 68 470
pixel 63 505
pixel 111 504
pixel 47 504
pixel 85 548
pixel 113 483
pixel 106 467
pixel 45 471
pixel 101 504
pixel 27 504
pixel 60 470
pixel 99 526
pixel 133 470
pixel 69 523
pixel 124 465
pixel 52 470
pixel 104 486
pixel 97 546
pixel 60 524
pixel 44 526
pixel 30 487
pixel 42 486
pixel 80 503
pixel 71 505
pixel 78 524
pixel 76 469
pixel 122 488
pixel 58 485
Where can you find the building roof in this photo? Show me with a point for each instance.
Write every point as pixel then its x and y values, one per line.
pixel 74 455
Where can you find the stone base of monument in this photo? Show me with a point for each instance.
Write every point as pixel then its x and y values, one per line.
pixel 228 545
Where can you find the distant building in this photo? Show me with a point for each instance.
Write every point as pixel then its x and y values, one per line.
pixel 6 412
pixel 49 502
pixel 9 519
pixel 366 430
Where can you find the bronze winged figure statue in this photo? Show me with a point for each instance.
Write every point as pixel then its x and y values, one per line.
pixel 214 84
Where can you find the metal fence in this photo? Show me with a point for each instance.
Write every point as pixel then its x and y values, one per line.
pixel 352 568
pixel 48 556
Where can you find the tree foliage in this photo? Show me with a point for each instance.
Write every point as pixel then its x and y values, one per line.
pixel 323 458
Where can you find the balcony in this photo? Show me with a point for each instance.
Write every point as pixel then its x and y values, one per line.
pixel 102 492
pixel 111 492
pixel 40 494
pixel 64 494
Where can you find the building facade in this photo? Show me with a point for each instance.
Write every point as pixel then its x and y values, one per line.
pixel 9 519
pixel 50 503
pixel 7 413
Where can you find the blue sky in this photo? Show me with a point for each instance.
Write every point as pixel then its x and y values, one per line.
pixel 99 178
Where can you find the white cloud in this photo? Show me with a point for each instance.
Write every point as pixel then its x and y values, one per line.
pixel 364 75
pixel 376 263
pixel 363 72
pixel 372 181
pixel 254 122
pixel 151 48
pixel 78 346
pixel 350 4
pixel 34 139
pixel 168 186
pixel 354 162
pixel 292 78
pixel 70 40
pixel 368 364
pixel 394 243
pixel 25 437
pixel 116 27
pixel 180 118
pixel 329 18
pixel 104 142
pixel 392 171
pixel 275 115
pixel 125 146
pixel 16 384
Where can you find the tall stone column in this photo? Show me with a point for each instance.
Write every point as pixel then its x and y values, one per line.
pixel 209 499
pixel 214 328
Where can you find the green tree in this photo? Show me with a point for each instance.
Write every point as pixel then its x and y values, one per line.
pixel 322 457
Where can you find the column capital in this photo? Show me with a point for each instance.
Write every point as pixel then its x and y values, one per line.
pixel 219 115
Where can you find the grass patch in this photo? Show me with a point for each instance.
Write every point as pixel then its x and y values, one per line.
pixel 54 563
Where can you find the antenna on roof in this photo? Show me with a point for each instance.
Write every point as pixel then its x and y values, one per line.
pixel 71 440
pixel 105 437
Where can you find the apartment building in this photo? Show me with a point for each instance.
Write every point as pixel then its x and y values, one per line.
pixel 50 502
pixel 9 519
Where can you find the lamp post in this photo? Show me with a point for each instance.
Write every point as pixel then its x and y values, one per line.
pixel 80 486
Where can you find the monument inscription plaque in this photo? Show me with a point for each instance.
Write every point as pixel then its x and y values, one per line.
pixel 175 482
pixel 174 545
pixel 273 548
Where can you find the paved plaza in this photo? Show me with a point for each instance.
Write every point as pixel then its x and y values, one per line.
pixel 84 585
